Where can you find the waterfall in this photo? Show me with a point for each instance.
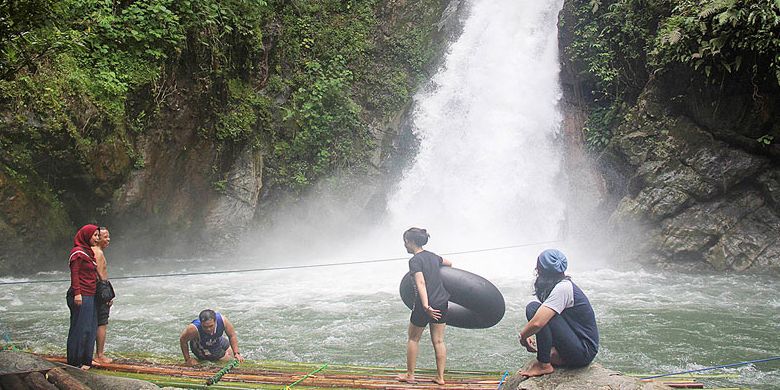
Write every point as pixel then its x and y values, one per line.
pixel 489 163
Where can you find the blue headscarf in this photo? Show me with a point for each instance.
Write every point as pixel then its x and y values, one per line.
pixel 553 260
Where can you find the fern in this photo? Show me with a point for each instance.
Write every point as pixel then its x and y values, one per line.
pixel 714 7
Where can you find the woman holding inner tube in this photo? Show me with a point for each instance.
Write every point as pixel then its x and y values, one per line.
pixel 430 303
pixel 561 317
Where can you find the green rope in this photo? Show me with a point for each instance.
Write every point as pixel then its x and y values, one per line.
pixel 306 376
pixel 214 379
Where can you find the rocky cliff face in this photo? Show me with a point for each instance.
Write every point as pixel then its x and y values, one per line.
pixel 169 175
pixel 685 181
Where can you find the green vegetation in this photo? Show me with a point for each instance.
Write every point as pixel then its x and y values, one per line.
pixel 300 81
pixel 620 43
pixel 723 37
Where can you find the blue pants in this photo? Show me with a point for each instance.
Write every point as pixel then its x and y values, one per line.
pixel 557 333
pixel 83 329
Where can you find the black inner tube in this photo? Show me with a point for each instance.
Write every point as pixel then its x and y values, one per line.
pixel 475 303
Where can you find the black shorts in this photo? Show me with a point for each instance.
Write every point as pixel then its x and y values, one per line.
pixel 421 318
pixel 102 312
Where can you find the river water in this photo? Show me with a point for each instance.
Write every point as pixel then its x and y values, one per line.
pixel 650 322
pixel 488 174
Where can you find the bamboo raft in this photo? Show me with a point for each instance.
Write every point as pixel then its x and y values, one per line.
pixel 280 375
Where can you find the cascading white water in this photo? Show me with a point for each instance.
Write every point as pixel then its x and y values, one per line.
pixel 488 160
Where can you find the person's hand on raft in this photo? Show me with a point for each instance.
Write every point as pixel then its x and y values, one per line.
pixel 191 362
pixel 433 313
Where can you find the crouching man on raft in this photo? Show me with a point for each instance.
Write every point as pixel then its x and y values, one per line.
pixel 205 337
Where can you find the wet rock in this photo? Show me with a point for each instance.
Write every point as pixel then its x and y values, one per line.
pixel 724 167
pixel 97 381
pixel 240 192
pixel 696 229
pixel 15 362
pixel 593 376
pixel 770 184
pixel 755 236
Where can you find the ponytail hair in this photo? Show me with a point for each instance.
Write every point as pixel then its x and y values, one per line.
pixel 416 235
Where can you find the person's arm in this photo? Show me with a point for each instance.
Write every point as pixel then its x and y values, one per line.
pixel 233 337
pixel 189 333
pixel 419 280
pixel 561 297
pixel 539 320
pixel 75 268
pixel 446 262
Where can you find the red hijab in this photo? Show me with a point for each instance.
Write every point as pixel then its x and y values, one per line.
pixel 82 240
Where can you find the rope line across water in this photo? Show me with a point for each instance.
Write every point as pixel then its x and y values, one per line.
pixel 712 368
pixel 282 267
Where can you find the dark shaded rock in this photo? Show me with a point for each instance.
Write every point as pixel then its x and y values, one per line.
pixel 14 382
pixel 651 203
pixel 236 206
pixel 696 229
pixel 593 376
pixel 752 237
pixel 97 381
pixel 724 167
pixel 686 183
pixel 36 381
pixel 770 184
pixel 15 362
pixel 63 380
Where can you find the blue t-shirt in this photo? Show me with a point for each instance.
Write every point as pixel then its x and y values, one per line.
pixel 210 341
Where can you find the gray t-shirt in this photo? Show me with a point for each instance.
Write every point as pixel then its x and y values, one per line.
pixel 561 297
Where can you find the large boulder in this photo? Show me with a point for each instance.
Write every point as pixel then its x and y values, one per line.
pixel 15 363
pixel 684 197
pixel 593 376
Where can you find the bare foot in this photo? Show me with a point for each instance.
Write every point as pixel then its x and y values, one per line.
pixel 85 367
pixel 538 369
pixel 102 360
pixel 406 378
pixel 439 381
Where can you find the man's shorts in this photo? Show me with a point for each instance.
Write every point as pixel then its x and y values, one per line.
pixel 421 318
pixel 211 354
pixel 102 313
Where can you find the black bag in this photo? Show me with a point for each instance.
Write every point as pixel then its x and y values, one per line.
pixel 105 291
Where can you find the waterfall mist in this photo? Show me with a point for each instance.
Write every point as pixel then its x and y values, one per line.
pixel 488 169
pixel 488 165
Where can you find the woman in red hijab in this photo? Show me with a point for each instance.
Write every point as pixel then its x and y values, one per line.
pixel 81 298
